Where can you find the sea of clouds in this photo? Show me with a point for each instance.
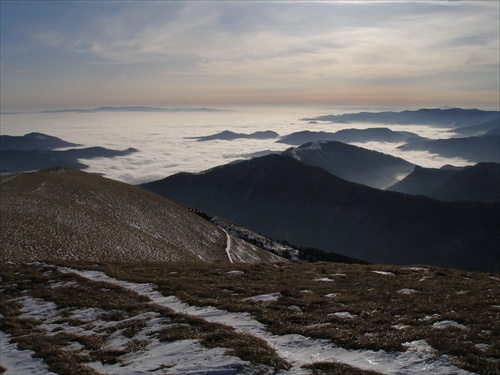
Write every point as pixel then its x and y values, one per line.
pixel 166 146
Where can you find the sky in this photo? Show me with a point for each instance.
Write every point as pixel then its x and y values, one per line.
pixel 85 54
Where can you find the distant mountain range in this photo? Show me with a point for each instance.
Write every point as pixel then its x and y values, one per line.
pixel 287 200
pixel 452 117
pixel 480 129
pixel 353 163
pixel 350 136
pixel 36 151
pixel 137 109
pixel 125 109
pixel 480 182
pixel 70 215
pixel 228 135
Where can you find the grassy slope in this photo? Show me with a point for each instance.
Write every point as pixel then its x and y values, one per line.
pixel 79 216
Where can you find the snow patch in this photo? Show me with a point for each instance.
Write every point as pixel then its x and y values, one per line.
pixel 265 297
pixel 448 324
pixel 17 361
pixel 418 269
pixel 297 349
pixel 324 279
pixel 63 284
pixel 236 272
pixel 407 291
pixel 400 326
pixel 482 346
pixel 175 358
pixel 344 315
pixel 386 273
pixel 331 295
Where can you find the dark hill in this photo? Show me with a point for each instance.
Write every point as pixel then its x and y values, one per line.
pixel 30 160
pixel 353 163
pixel 228 135
pixel 307 206
pixel 69 215
pixel 374 134
pixel 480 182
pixel 305 136
pixel 33 141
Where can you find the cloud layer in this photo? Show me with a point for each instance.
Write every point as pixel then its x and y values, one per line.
pixel 166 145
pixel 371 52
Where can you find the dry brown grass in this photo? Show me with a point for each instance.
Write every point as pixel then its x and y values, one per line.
pixel 119 305
pixel 80 216
pixel 382 315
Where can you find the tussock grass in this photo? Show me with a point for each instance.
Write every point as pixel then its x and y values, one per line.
pixel 391 308
pixel 119 306
pixel 211 335
pixel 350 305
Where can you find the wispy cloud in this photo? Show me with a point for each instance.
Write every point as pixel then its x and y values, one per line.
pixel 252 45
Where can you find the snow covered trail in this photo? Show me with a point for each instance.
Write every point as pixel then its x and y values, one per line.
pixel 229 245
pixel 296 349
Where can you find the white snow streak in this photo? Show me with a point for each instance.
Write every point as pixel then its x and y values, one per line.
pixel 447 324
pixel 264 297
pixel 228 245
pixel 18 361
pixel 297 349
pixel 386 273
pixel 179 357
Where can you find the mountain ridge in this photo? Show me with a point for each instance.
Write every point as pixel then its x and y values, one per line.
pixel 67 214
pixel 352 163
pixel 480 182
pixel 307 206
pixel 452 117
pixel 349 136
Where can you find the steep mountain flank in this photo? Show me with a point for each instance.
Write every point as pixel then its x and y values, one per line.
pixel 480 129
pixel 66 214
pixel 307 206
pixel 480 182
pixel 476 149
pixel 352 163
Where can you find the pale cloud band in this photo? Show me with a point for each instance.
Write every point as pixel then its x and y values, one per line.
pixel 237 52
